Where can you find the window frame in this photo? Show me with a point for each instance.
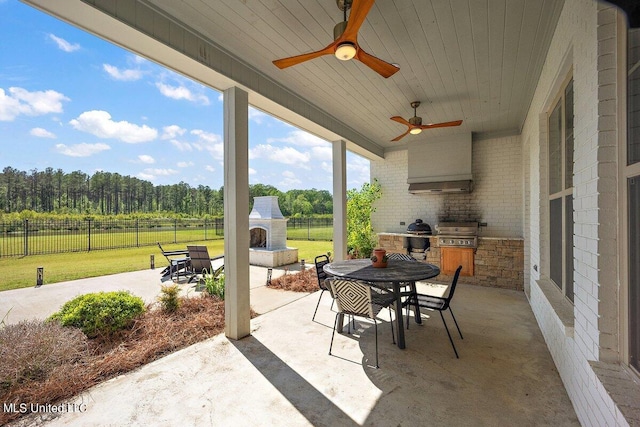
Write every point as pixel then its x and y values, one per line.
pixel 626 172
pixel 564 193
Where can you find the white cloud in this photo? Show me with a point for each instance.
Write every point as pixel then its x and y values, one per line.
pixel 137 59
pixel 210 168
pixel 146 176
pixel 63 44
pixel 172 131
pixel 257 115
pixel 252 171
pixel 81 150
pixel 99 123
pixel 290 180
pixel 20 101
pixel 123 75
pixel 160 172
pixel 327 167
pixel 145 158
pixel 185 164
pixel 207 136
pixel 286 155
pixel 358 170
pixel 322 153
pixel 301 138
pixel 181 92
pixel 42 133
pixel 181 146
pixel 210 142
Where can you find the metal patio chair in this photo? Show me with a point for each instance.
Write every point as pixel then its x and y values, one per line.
pixel 358 299
pixel 321 261
pixel 440 304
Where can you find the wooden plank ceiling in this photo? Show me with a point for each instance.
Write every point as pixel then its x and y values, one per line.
pixel 475 60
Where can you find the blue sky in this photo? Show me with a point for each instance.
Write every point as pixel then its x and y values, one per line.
pixel 73 101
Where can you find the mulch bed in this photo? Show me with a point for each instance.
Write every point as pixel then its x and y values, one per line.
pixel 153 335
pixel 300 281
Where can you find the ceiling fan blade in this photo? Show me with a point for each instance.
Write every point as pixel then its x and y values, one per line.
pixel 295 60
pixel 399 137
pixel 359 11
pixel 381 67
pixel 442 125
pixel 401 120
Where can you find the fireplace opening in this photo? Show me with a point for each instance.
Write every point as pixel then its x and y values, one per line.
pixel 258 238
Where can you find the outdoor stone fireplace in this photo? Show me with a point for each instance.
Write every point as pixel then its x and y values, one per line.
pixel 268 234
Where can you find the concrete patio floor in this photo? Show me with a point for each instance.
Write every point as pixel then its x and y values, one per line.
pixel 282 374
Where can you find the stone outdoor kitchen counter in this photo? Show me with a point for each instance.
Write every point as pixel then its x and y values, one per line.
pixel 498 261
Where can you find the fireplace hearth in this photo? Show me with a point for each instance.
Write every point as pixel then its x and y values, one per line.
pixel 268 234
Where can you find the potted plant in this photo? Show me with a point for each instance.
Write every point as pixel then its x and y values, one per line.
pixel 379 258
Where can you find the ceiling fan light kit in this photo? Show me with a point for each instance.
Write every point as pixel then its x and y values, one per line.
pixel 345 44
pixel 345 51
pixel 414 124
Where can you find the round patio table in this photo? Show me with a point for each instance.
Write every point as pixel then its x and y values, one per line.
pixel 396 273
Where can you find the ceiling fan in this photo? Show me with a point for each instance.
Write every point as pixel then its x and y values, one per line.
pixel 345 45
pixel 415 126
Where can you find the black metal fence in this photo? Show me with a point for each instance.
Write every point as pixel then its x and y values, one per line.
pixel 36 237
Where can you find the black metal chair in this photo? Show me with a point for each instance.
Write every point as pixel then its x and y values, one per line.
pixel 358 299
pixel 410 285
pixel 179 261
pixel 320 262
pixel 403 257
pixel 438 303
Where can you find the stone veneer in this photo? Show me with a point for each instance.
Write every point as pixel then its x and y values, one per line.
pixel 498 262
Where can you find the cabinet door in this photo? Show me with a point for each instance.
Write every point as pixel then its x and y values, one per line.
pixel 453 257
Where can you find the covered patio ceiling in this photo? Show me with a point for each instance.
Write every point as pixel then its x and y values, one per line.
pixel 470 60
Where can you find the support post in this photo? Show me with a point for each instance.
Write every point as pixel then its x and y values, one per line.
pixel 339 200
pixel 236 213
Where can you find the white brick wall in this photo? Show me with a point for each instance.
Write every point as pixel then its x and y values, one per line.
pixel 585 41
pixel 497 198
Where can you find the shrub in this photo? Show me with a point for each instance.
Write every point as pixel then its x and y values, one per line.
pixel 30 350
pixel 360 205
pixel 168 298
pixel 214 282
pixel 101 313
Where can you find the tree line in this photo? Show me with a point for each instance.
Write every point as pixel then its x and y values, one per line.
pixel 105 193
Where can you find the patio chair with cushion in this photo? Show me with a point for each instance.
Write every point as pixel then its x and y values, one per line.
pixel 440 304
pixel 200 261
pixel 358 299
pixel 321 261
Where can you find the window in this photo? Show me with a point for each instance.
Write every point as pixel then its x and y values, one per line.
pixel 560 122
pixel 632 175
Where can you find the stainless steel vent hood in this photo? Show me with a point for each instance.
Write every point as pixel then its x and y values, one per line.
pixel 464 186
pixel 440 165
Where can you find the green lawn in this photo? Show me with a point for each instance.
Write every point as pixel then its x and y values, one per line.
pixel 20 272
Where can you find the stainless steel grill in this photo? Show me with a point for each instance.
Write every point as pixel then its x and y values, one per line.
pixel 458 234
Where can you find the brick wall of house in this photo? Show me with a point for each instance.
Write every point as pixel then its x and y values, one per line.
pixel 497 197
pixel 583 45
